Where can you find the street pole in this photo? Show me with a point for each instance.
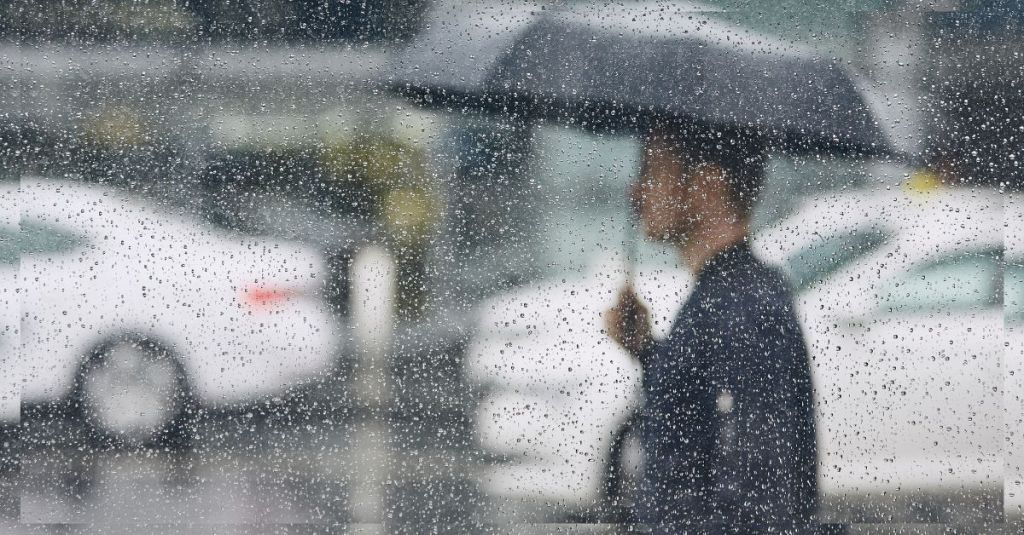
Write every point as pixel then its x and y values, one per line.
pixel 373 319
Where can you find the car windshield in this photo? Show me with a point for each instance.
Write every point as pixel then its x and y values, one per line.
pixel 1013 291
pixel 826 255
pixel 10 249
pixel 33 238
pixel 968 281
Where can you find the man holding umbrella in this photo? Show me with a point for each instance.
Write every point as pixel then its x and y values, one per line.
pixel 727 426
pixel 728 419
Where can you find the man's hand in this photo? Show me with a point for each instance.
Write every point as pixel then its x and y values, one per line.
pixel 629 323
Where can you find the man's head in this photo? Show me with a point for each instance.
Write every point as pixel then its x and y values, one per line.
pixel 693 180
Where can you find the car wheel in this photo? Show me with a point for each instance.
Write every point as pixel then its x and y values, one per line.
pixel 133 392
pixel 622 476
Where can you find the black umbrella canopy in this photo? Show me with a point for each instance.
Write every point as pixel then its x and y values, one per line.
pixel 620 65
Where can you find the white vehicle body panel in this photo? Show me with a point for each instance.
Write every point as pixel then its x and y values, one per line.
pixel 559 389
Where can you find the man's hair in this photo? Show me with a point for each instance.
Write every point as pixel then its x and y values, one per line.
pixel 740 154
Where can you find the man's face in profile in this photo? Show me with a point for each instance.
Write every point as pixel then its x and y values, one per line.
pixel 665 196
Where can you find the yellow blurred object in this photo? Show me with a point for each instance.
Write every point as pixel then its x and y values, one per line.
pixel 410 214
pixel 154 16
pixel 116 126
pixel 381 161
pixel 922 182
pixel 395 173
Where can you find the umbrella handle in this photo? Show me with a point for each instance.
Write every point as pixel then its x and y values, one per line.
pixel 631 247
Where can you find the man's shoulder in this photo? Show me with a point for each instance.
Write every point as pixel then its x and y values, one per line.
pixel 749 302
pixel 754 283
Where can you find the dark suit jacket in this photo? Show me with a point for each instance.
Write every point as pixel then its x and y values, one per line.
pixel 727 425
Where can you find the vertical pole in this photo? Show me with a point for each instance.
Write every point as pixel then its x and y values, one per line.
pixel 897 37
pixel 373 315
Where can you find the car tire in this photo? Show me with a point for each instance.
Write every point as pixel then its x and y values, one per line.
pixel 622 474
pixel 9 472
pixel 132 392
pixel 10 435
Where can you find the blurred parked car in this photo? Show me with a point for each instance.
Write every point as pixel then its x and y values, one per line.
pixel 557 396
pixel 133 317
pixel 907 337
pixel 900 297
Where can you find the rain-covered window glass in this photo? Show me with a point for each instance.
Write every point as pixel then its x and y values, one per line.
pixel 583 180
pixel 450 266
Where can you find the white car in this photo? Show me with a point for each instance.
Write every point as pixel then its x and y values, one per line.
pixel 907 340
pixel 899 295
pixel 133 316
pixel 556 392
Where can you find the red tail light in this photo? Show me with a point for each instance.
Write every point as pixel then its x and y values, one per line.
pixel 262 297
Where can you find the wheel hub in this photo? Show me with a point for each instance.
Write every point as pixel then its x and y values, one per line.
pixel 132 393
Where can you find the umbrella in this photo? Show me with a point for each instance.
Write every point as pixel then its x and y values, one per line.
pixel 617 66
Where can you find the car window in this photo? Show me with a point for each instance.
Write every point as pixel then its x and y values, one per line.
pixel 1013 291
pixel 37 238
pixel 33 239
pixel 9 246
pixel 828 254
pixel 965 281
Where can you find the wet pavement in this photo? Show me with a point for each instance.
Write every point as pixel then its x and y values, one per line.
pixel 319 463
pixel 312 476
pixel 320 458
pixel 308 481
